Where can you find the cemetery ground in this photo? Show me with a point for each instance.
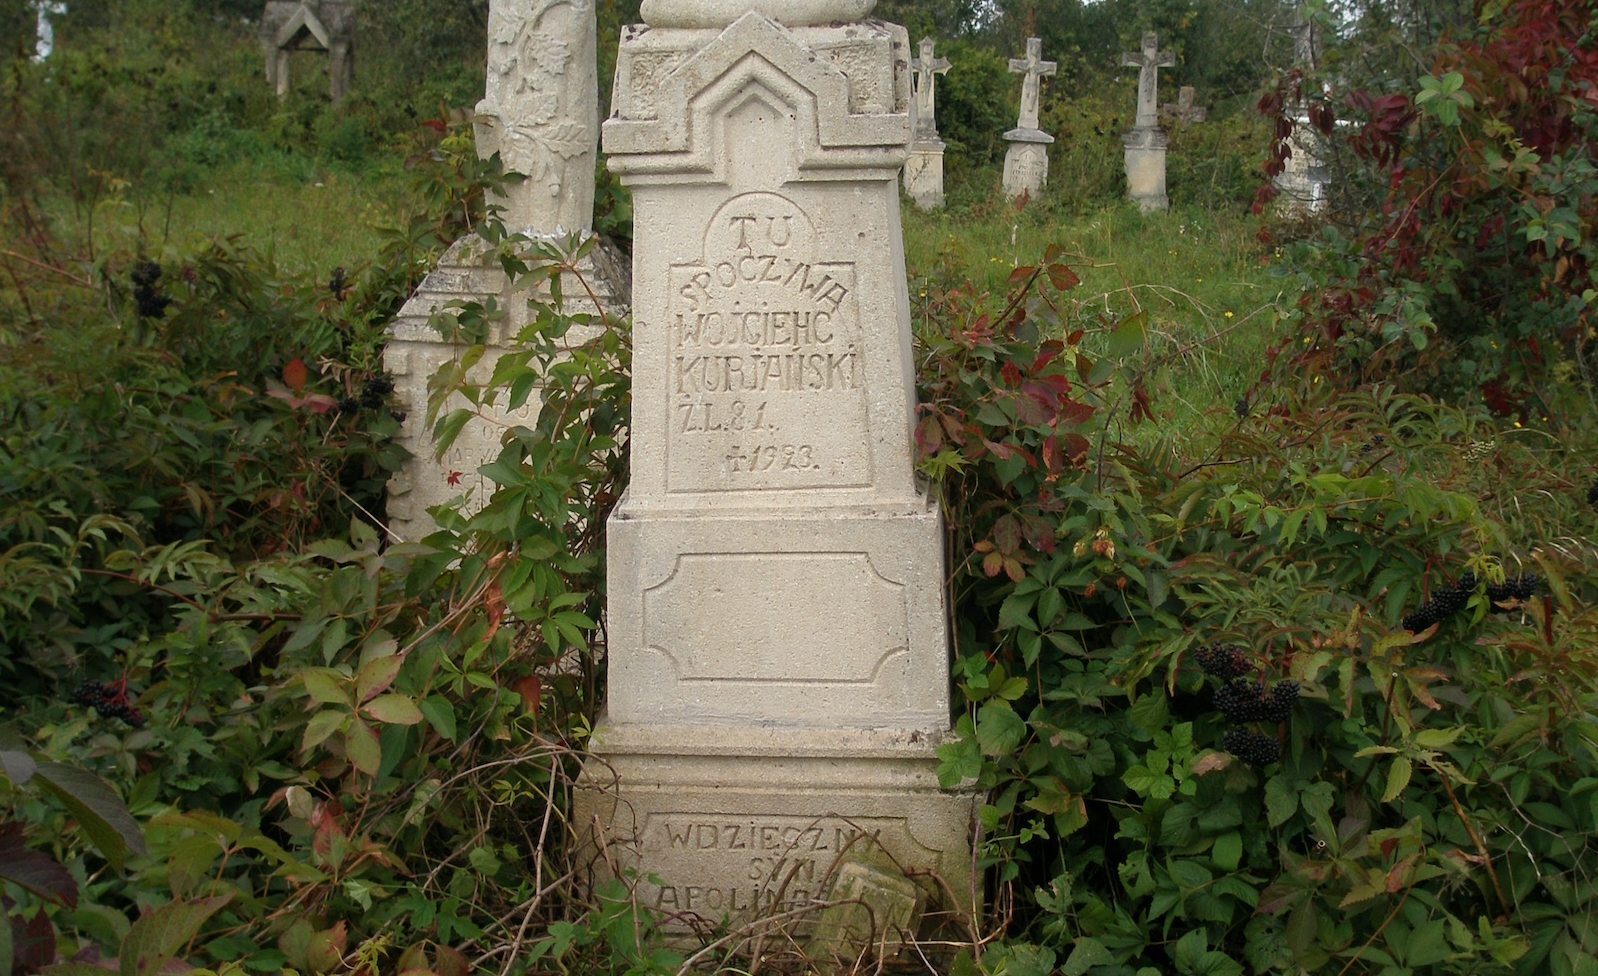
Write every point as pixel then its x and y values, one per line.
pixel 1265 665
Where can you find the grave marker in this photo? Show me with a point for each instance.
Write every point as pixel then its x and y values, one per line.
pixel 309 25
pixel 1183 109
pixel 44 32
pixel 778 655
pixel 923 169
pixel 1026 162
pixel 1146 142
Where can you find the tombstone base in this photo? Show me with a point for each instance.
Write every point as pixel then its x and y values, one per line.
pixel 1026 162
pixel 923 175
pixel 738 823
pixel 1145 169
pixel 469 271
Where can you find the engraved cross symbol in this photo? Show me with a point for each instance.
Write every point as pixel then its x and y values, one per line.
pixel 1034 67
pixel 1147 61
pixel 927 68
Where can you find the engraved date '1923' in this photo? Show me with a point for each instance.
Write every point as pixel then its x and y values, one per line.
pixel 771 457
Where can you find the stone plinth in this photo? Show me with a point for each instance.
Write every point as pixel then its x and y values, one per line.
pixel 469 272
pixel 923 174
pixel 1026 162
pixel 1301 186
pixel 1145 168
pixel 309 25
pixel 778 654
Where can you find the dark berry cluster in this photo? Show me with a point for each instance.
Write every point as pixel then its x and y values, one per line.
pixel 373 395
pixel 1241 408
pixel 1442 605
pixel 111 701
pixel 1225 661
pixel 1522 587
pixel 1242 700
pixel 1592 494
pixel 147 297
pixel 338 284
pixel 1251 747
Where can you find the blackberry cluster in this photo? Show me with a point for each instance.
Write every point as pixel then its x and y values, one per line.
pixel 1224 661
pixel 111 701
pixel 1522 587
pixel 337 284
pixel 151 304
pixel 1241 408
pixel 1251 747
pixel 373 395
pixel 1241 700
pixel 1442 605
pixel 1592 494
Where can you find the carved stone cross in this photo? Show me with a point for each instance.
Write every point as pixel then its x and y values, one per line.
pixel 1034 67
pixel 1184 109
pixel 1147 61
pixel 927 68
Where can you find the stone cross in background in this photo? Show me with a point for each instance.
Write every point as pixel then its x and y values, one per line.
pixel 923 168
pixel 1183 108
pixel 45 34
pixel 541 112
pixel 1026 163
pixel 1302 184
pixel 1146 142
pixel 315 25
pixel 778 653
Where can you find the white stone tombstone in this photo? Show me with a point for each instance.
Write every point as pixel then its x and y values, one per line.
pixel 1146 142
pixel 1026 162
pixel 923 168
pixel 312 25
pixel 1302 184
pixel 44 32
pixel 778 653
pixel 541 113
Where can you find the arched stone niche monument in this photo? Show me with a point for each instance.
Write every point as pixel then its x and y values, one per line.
pixel 309 25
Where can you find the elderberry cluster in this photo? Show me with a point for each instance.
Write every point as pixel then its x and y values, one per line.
pixel 1592 494
pixel 1522 587
pixel 338 284
pixel 373 395
pixel 147 298
pixel 109 700
pixel 1242 700
pixel 1251 747
pixel 1225 661
pixel 1442 605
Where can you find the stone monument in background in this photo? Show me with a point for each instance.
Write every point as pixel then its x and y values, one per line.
pixel 1026 162
pixel 1301 186
pixel 1183 110
pixel 923 168
pixel 309 25
pixel 1146 142
pixel 541 114
pixel 44 28
pixel 778 650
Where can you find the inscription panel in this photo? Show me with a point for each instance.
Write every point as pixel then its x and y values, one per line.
pixel 766 372
pixel 716 866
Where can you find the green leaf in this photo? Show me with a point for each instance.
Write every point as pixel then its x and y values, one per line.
pixel 376 675
pixel 162 933
pixel 999 728
pixel 322 725
pixel 1281 799
pixel 397 709
pixel 362 747
pixel 326 687
pixel 1228 851
pixel 1397 778
pixel 440 714
pixel 1087 954
pixel 1129 336
pixel 98 809
pixel 1016 611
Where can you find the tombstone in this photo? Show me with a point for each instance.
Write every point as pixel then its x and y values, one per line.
pixel 778 654
pixel 1145 143
pixel 1301 186
pixel 44 42
pixel 309 25
pixel 1183 109
pixel 1026 162
pixel 540 112
pixel 923 168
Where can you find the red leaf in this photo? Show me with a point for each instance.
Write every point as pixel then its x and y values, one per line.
pixel 929 436
pixel 531 688
pixel 295 374
pixel 1011 372
pixel 34 870
pixel 1063 277
pixel 1007 534
pixel 1021 274
pixel 992 564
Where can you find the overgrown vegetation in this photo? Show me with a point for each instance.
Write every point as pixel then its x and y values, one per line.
pixel 1283 671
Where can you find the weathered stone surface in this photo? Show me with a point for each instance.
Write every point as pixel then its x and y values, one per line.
pixel 923 168
pixel 720 13
pixel 874 909
pixel 541 112
pixel 416 349
pixel 923 175
pixel 778 655
pixel 314 25
pixel 1026 162
pixel 1146 142
pixel 1302 185
pixel 44 27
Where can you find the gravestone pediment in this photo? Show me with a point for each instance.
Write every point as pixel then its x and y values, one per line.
pixel 678 115
pixel 304 24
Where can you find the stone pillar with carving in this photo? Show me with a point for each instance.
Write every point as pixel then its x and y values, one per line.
pixel 1146 142
pixel 540 112
pixel 923 168
pixel 1026 162
pixel 778 652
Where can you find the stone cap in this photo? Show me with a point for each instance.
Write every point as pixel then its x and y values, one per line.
pixel 1145 139
pixel 720 13
pixel 1028 135
pixel 709 739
